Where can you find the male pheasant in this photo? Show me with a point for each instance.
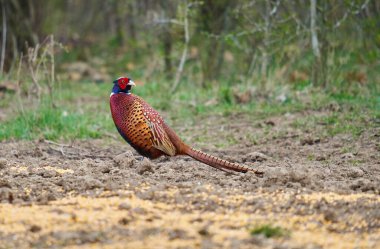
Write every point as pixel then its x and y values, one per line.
pixel 145 130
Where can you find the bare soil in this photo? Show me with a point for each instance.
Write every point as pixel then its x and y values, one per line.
pixel 323 191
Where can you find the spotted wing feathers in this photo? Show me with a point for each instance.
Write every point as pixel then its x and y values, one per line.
pixel 161 140
pixel 159 137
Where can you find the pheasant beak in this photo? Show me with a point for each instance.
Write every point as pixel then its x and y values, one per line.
pixel 131 83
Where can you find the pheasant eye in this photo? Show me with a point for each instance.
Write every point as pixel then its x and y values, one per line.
pixel 123 84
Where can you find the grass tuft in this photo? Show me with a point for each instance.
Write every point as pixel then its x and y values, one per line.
pixel 269 231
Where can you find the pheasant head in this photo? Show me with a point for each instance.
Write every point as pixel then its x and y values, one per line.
pixel 122 85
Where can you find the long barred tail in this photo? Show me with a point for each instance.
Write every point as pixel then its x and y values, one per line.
pixel 217 162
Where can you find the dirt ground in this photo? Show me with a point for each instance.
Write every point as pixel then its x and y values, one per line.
pixel 324 191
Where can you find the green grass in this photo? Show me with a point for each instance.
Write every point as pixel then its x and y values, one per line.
pixel 343 114
pixel 270 231
pixel 54 123
pixel 83 110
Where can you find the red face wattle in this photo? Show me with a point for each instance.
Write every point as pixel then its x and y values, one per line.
pixel 123 82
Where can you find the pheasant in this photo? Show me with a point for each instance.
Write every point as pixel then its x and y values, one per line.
pixel 145 130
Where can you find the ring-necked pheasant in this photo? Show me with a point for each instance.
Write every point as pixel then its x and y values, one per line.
pixel 145 130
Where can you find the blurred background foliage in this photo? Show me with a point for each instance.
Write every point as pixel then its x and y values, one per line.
pixel 194 56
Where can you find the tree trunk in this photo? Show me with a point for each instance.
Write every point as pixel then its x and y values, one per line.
pixel 265 49
pixel 168 13
pixel 23 26
pixel 4 38
pixel 214 22
pixel 316 68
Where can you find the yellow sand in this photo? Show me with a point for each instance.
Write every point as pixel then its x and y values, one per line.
pixel 102 214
